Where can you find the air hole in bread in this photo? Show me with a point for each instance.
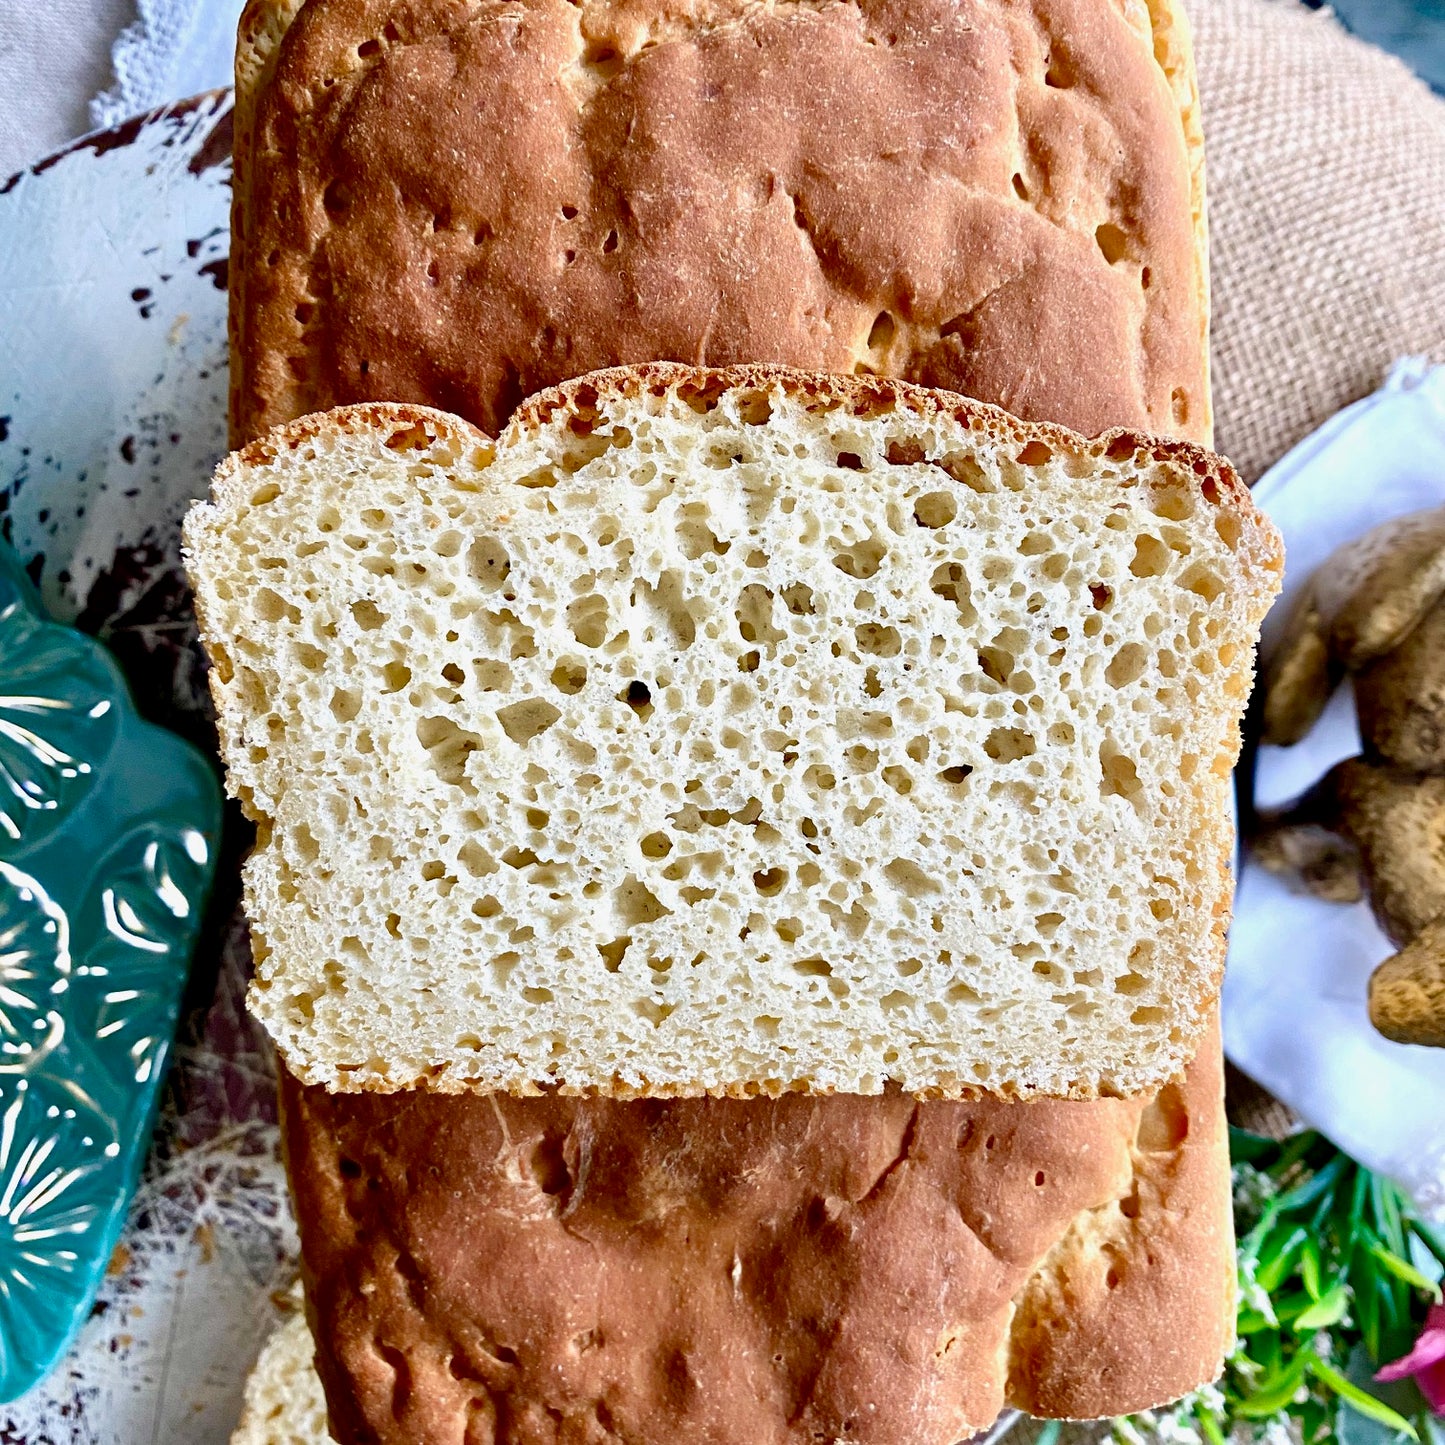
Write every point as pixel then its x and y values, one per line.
pixel 1127 665
pixel 1152 557
pixel 638 696
pixel 1009 745
pixel 935 509
pixel 1164 1122
pixel 861 559
pixel 1203 582
pixel 1120 774
pixel 548 1166
pixel 447 747
pixel 878 641
pixel 602 61
pixel 1112 241
pixel 337 200
pixel 587 617
pixel 612 953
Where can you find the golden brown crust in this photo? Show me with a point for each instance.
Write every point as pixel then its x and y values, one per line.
pixel 873 1270
pixel 258 38
pixel 755 231
pixel 1137 1297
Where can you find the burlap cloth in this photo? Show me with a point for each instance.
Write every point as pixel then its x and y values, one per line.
pixel 1326 174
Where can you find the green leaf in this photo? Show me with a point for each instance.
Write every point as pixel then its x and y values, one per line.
pixel 1366 1404
pixel 1309 1264
pixel 1358 1195
pixel 1274 1392
pixel 1247 1148
pixel 1277 1256
pixel 1404 1270
pixel 1317 1185
pixel 1249 1247
pixel 1251 1322
pixel 1386 1200
pixel 1327 1311
pixel 1049 1434
pixel 1289 1307
pixel 1209 1426
pixel 1367 1314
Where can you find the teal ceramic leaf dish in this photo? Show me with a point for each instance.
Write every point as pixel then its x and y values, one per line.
pixel 108 835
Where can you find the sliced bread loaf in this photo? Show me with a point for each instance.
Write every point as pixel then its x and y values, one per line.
pixel 732 732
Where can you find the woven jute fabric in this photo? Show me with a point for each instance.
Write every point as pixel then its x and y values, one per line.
pixel 1325 160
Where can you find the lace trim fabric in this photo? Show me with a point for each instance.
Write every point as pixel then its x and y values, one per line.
pixel 173 48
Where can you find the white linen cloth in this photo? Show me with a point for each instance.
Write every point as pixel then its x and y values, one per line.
pixel 137 53
pixel 1295 990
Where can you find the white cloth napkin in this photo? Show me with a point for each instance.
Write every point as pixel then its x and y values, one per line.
pixel 55 56
pixel 1294 994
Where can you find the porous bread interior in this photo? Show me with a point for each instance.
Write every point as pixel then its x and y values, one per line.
pixel 723 734
pixel 278 370
pixel 284 1403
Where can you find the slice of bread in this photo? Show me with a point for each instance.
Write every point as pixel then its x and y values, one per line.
pixel 284 1402
pixel 732 732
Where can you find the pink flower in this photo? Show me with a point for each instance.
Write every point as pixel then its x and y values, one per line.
pixel 1426 1361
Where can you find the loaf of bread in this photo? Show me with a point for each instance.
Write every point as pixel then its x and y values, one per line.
pixel 876 1271
pixel 458 204
pixel 732 732
pixel 1012 287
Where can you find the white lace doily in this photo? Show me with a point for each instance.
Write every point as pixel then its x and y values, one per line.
pixel 173 48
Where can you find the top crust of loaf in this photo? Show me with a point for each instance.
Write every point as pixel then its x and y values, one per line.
pixel 626 179
pixel 952 813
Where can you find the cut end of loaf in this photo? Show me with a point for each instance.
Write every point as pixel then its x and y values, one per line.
pixel 733 732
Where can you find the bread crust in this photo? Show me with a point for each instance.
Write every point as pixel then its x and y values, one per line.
pixel 819 1269
pixel 985 339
